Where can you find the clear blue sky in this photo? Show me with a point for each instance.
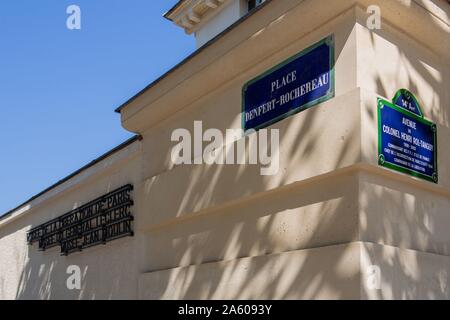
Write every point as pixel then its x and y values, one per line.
pixel 59 87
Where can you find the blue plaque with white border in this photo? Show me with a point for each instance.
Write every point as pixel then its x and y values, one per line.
pixel 296 84
pixel 406 141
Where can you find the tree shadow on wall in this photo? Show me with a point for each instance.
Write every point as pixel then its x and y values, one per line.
pixel 235 234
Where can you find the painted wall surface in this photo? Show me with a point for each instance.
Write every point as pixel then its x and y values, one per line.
pixel 223 226
pixel 311 231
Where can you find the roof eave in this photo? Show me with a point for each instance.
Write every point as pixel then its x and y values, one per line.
pixel 168 14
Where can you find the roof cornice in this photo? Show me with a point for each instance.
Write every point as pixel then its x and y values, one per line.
pixel 189 14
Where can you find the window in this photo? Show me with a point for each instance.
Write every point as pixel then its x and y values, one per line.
pixel 252 4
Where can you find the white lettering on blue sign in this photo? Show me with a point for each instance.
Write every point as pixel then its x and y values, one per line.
pixel 289 96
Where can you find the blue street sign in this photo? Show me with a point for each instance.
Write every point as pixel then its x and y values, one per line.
pixel 293 86
pixel 406 142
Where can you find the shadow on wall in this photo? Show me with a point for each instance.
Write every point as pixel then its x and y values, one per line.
pixel 394 213
pixel 107 271
pixel 260 227
pixel 192 250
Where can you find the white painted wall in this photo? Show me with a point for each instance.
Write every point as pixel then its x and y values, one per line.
pixel 231 12
pixel 107 271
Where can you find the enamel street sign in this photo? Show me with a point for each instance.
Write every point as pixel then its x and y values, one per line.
pixel 296 84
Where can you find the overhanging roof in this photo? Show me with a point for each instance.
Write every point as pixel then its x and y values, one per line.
pixel 192 55
pixel 70 176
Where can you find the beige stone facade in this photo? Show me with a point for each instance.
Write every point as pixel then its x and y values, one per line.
pixel 313 230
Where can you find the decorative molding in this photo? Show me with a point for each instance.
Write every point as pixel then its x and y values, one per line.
pixel 189 14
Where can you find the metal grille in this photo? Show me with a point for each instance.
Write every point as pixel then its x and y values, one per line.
pixel 104 219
